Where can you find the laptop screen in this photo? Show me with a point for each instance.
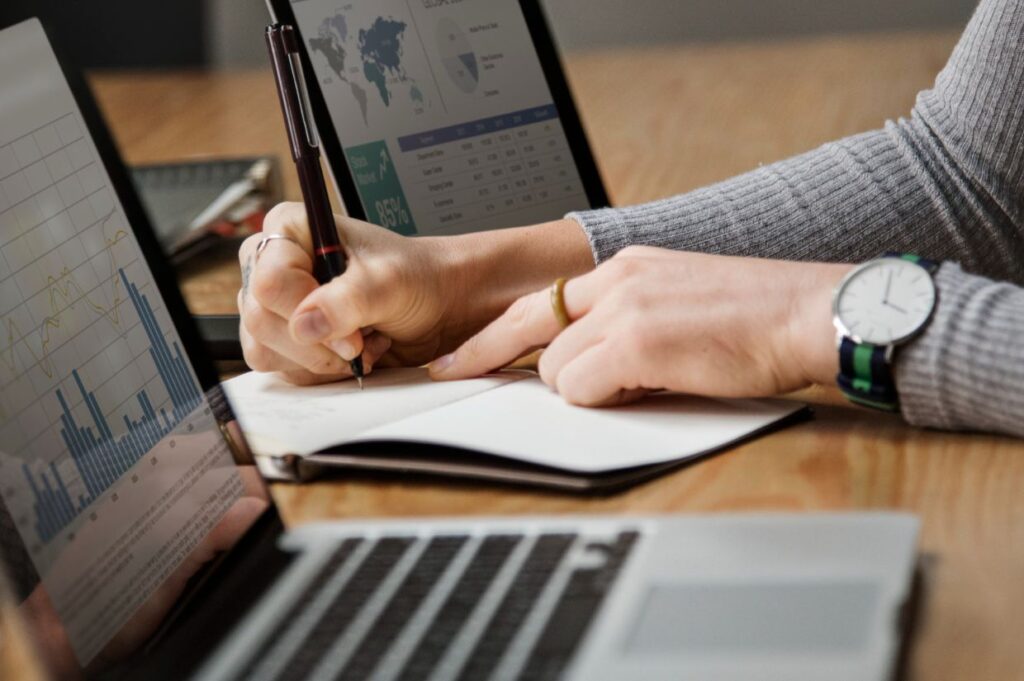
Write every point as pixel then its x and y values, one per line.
pixel 117 483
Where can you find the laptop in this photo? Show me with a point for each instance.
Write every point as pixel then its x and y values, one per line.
pixel 141 542
pixel 440 118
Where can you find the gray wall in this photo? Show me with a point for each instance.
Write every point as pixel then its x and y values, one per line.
pixel 234 32
pixel 586 23
pixel 235 35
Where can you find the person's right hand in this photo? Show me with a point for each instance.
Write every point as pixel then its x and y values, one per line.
pixel 390 306
pixel 402 301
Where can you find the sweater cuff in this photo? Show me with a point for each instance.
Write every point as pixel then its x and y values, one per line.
pixel 606 231
pixel 966 370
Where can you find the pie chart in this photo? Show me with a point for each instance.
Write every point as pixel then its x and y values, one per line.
pixel 458 56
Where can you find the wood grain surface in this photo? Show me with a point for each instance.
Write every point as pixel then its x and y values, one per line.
pixel 664 121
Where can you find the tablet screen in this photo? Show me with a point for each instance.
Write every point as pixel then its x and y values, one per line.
pixel 443 111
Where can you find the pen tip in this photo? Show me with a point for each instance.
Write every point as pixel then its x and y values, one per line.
pixel 357 370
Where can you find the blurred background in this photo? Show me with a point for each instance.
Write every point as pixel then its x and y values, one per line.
pixel 228 33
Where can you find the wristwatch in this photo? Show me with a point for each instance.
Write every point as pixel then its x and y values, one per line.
pixel 877 307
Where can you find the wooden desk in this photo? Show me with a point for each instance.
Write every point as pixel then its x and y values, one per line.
pixel 663 121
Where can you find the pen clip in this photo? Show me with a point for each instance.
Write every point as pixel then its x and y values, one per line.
pixel 304 106
pixel 291 86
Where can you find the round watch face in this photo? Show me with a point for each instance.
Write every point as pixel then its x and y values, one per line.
pixel 885 301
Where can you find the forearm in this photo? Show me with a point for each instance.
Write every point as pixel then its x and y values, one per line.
pixel 848 201
pixel 966 372
pixel 944 182
pixel 845 201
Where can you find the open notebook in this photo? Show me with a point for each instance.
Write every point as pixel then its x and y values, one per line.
pixel 508 427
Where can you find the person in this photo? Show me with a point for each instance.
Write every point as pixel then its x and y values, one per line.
pixel 724 291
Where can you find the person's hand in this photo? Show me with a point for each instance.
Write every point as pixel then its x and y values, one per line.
pixel 402 301
pixel 391 300
pixel 652 319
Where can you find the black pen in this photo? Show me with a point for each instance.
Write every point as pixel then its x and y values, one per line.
pixel 329 259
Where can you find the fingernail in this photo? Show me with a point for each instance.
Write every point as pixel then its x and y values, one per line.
pixel 312 326
pixel 343 349
pixel 442 364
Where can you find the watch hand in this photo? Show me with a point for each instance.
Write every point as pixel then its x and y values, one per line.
pixel 888 287
pixel 895 307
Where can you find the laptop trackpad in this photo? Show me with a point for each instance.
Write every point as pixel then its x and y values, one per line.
pixel 758 618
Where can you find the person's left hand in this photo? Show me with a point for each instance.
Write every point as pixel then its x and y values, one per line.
pixel 652 319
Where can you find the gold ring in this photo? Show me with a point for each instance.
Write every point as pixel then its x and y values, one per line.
pixel 265 241
pixel 558 303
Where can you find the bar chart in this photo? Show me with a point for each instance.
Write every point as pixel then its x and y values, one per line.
pixel 92 375
pixel 100 457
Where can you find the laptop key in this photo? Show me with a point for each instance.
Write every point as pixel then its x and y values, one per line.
pixel 331 566
pixel 367 577
pixel 577 607
pixel 436 558
pixel 544 557
pixel 492 553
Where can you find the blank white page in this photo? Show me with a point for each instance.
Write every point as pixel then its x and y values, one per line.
pixel 279 418
pixel 528 422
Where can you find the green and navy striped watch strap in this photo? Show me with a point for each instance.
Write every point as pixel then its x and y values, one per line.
pixel 865 376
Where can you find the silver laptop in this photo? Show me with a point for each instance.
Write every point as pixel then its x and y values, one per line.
pixel 141 544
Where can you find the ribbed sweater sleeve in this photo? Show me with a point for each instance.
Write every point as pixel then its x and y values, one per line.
pixel 967 371
pixel 946 182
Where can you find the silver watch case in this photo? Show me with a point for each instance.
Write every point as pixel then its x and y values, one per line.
pixel 841 330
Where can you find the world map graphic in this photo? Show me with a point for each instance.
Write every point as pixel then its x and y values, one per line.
pixel 379 49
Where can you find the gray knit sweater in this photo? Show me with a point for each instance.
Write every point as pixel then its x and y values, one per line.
pixel 947 183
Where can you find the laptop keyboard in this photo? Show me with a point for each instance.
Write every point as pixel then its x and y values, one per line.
pixel 545 556
pixel 435 559
pixel 489 558
pixel 451 607
pixel 375 567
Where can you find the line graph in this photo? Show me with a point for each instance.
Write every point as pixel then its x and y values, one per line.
pixel 62 288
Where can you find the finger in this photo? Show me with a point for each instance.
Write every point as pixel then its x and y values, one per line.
pixel 337 311
pixel 527 324
pixel 263 359
pixel 571 343
pixel 349 347
pixel 289 219
pixel 377 345
pixel 258 356
pixel 282 277
pixel 272 331
pixel 248 248
pixel 594 378
pixel 284 219
pixel 252 311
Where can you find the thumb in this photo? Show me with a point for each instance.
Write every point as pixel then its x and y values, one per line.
pixel 333 315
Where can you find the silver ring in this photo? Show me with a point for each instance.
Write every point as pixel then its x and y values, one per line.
pixel 265 241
